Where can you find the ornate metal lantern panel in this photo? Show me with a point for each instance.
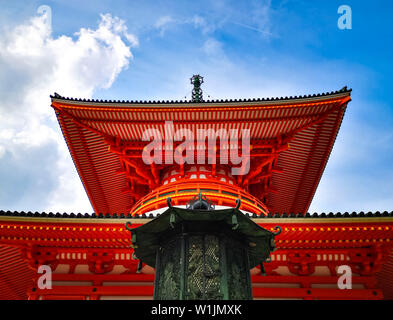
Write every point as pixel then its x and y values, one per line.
pixel 196 266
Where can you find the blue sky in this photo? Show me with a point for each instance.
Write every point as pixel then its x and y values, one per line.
pixel 149 49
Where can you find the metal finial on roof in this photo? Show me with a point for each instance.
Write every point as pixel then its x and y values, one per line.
pixel 200 202
pixel 197 80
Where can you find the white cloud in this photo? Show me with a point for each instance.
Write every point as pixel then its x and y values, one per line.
pixel 163 23
pixel 213 47
pixel 197 21
pixel 201 23
pixel 259 18
pixel 34 64
pixel 264 31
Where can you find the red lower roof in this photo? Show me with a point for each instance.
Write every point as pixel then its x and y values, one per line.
pixel 357 237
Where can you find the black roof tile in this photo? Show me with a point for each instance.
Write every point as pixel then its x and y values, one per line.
pixel 150 216
pixel 59 97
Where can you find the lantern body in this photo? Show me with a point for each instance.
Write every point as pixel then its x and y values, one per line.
pixel 207 266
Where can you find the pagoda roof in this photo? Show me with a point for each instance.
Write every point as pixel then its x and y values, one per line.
pixel 57 96
pixel 307 124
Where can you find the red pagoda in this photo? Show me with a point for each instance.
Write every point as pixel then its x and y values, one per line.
pixel 290 140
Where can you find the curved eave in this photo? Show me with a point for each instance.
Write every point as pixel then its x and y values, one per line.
pixel 111 233
pixel 207 103
pixel 270 218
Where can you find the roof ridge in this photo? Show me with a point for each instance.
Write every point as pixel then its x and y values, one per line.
pixel 150 216
pixel 342 90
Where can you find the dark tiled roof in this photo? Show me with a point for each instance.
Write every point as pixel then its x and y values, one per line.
pixel 150 216
pixel 343 90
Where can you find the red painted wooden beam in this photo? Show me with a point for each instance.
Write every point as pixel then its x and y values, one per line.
pixel 257 279
pixel 318 293
pixel 281 293
pixel 140 290
pixel 139 277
